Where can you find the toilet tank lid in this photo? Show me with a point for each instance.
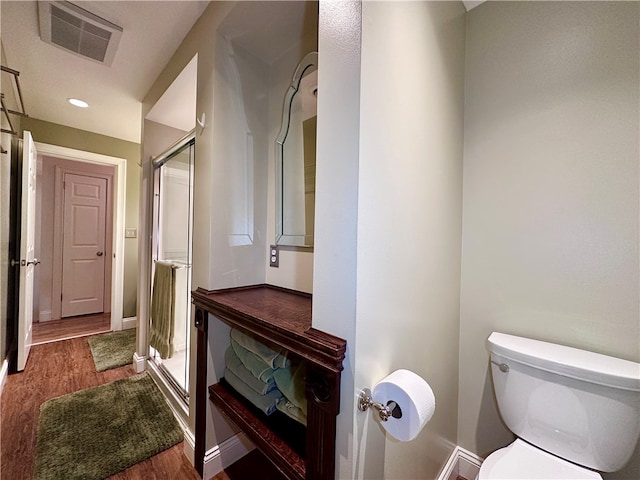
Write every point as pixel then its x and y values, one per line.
pixel 567 361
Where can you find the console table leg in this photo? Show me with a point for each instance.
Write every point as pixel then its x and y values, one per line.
pixel 201 324
pixel 323 404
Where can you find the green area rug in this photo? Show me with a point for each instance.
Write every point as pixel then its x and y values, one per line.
pixel 95 433
pixel 113 350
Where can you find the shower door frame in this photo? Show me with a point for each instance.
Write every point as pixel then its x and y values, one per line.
pixel 187 141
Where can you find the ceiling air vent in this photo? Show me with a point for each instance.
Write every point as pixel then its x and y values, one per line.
pixel 78 31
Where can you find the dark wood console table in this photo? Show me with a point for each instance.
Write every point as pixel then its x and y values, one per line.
pixel 279 317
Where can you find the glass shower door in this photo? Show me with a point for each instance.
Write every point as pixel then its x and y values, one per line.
pixel 171 266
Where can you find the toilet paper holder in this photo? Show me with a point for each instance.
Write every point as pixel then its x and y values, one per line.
pixel 391 409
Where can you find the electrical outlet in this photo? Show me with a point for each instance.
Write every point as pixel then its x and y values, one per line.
pixel 130 233
pixel 274 256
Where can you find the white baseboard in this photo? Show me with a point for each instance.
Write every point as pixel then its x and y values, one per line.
pixel 463 463
pixel 222 456
pixel 4 371
pixel 129 322
pixel 189 449
pixel 139 362
pixel 44 316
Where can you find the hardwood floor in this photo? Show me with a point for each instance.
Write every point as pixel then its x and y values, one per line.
pixel 55 369
pixel 252 466
pixel 62 367
pixel 54 330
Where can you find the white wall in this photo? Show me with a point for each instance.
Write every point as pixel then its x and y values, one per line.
pixel 550 199
pixel 201 40
pixel 551 213
pixel 409 215
pixel 389 195
pixel 239 162
pixel 295 269
pixel 231 166
pixel 335 250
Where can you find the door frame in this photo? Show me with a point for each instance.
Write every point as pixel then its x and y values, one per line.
pixel 119 206
pixel 58 235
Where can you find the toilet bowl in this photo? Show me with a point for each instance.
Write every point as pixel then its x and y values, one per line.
pixel 522 461
pixel 575 413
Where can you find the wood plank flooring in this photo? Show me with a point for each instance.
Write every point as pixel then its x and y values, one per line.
pixel 55 369
pixel 253 466
pixel 54 330
pixel 62 367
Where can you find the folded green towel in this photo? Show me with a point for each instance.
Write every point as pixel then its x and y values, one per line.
pixel 252 362
pixel 289 409
pixel 233 363
pixel 266 403
pixel 291 382
pixel 163 298
pixel 272 357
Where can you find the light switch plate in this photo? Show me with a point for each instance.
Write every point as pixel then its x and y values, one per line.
pixel 130 233
pixel 274 256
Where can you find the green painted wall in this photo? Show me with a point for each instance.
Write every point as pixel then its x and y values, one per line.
pixel 60 135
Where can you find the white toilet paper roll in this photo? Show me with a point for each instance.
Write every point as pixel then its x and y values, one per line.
pixel 414 397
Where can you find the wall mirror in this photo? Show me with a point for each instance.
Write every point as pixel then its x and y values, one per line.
pixel 296 158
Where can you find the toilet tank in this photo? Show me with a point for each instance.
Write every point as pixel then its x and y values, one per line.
pixel 581 406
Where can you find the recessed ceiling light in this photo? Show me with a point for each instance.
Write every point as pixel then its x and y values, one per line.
pixel 78 103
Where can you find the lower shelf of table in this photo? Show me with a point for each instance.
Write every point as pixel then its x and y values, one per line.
pixel 281 439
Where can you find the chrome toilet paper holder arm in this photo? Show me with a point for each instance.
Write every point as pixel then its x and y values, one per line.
pixel 391 409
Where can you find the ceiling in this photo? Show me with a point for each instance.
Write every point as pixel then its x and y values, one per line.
pixel 49 75
pixel 152 31
pixel 469 4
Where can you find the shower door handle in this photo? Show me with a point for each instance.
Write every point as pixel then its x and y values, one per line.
pixel 99 254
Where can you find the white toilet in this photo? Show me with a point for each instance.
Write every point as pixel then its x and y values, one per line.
pixel 575 413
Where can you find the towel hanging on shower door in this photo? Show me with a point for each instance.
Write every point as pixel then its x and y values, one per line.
pixel 162 309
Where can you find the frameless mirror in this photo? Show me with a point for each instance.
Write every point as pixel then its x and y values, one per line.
pixel 296 158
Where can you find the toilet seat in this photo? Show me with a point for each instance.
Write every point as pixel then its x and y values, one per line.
pixel 523 461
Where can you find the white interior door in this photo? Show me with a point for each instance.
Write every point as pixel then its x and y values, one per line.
pixel 27 250
pixel 83 251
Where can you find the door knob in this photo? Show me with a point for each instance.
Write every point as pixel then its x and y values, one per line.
pixel 99 254
pixel 33 262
